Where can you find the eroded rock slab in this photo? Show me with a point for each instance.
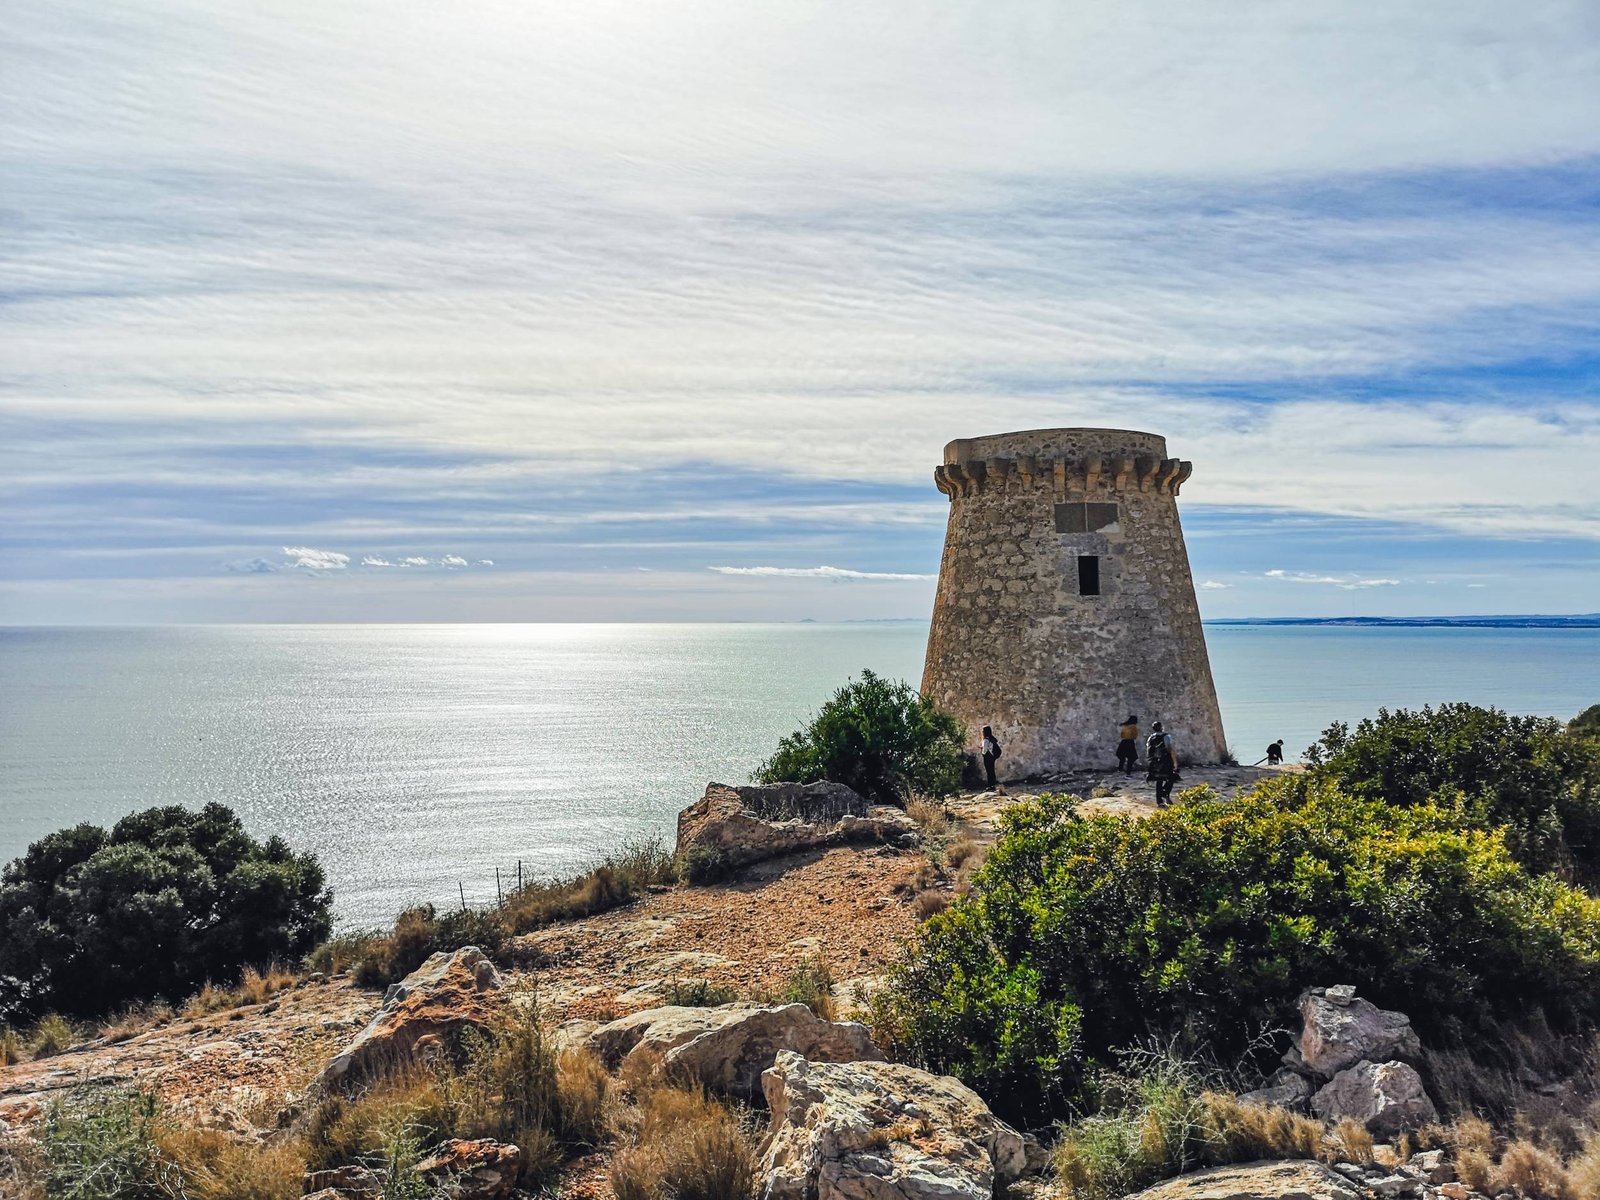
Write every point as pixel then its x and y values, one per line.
pixel 725 1048
pixel 1256 1181
pixel 737 826
pixel 881 1131
pixel 435 1002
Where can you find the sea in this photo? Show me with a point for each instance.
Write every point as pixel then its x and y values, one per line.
pixel 418 761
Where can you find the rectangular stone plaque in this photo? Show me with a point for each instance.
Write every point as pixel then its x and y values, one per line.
pixel 1084 518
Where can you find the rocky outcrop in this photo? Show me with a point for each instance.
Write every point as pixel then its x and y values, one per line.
pixel 1386 1097
pixel 732 827
pixel 1257 1181
pixel 1341 1029
pixel 473 1169
pixel 418 1015
pixel 1286 1089
pixel 881 1131
pixel 725 1048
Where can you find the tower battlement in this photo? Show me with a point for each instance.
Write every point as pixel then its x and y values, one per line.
pixel 1065 600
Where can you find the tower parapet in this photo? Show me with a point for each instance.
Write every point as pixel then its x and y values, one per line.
pixel 1065 600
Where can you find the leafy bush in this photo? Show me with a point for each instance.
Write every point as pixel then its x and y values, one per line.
pixel 1529 774
pixel 1586 723
pixel 883 739
pixel 1203 923
pixel 167 899
pixel 697 993
pixel 101 1145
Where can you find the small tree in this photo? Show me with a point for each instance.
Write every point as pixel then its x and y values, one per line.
pixel 163 902
pixel 879 737
pixel 1586 723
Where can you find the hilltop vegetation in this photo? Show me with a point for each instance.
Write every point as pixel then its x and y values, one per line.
pixel 162 903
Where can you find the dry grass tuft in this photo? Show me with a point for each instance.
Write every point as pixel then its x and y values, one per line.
pixel 932 816
pixel 963 851
pixel 50 1036
pixel 688 1147
pixel 350 1129
pixel 1243 1132
pixel 927 903
pixel 134 1020
pixel 1531 1171
pixel 22 1167
pixel 12 1049
pixel 256 987
pixel 1355 1140
pixel 215 1166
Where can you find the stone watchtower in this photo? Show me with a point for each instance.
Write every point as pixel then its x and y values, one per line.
pixel 1065 600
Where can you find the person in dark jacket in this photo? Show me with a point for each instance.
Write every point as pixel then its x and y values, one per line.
pixel 1128 745
pixel 991 751
pixel 1275 754
pixel 1161 758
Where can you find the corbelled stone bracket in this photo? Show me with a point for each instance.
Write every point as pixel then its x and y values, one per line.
pixel 1165 475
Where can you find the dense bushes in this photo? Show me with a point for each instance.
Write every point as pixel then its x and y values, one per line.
pixel 1530 774
pixel 163 902
pixel 1201 924
pixel 879 737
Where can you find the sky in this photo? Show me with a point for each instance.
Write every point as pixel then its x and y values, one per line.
pixel 636 310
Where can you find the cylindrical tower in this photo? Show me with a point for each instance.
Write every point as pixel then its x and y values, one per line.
pixel 1065 601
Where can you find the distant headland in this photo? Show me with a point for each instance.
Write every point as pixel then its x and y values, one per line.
pixel 1512 621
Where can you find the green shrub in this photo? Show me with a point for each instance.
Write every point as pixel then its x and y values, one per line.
pixel 1586 723
pixel 810 984
pixel 101 1145
pixel 620 878
pixel 701 864
pixel 1202 924
pixel 92 920
pixel 1528 774
pixel 697 993
pixel 879 737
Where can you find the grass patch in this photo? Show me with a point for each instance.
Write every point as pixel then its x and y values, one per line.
pixel 810 984
pixel 217 1166
pixel 256 987
pixel 51 1035
pixel 12 1047
pixel 1162 1117
pixel 697 993
pixel 686 1146
pixel 101 1145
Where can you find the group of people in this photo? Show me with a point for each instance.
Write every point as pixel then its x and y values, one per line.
pixel 1160 756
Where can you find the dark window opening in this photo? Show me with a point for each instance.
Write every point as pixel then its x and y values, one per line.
pixel 1088 574
pixel 1084 518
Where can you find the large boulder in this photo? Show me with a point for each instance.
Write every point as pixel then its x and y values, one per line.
pixel 1341 1029
pixel 430 1006
pixel 732 827
pixel 881 1131
pixel 1256 1181
pixel 725 1048
pixel 1386 1097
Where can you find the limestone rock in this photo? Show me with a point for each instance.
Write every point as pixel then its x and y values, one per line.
pixel 1385 1097
pixel 881 1131
pixel 744 825
pixel 1286 1089
pixel 445 994
pixel 474 1169
pixel 344 1182
pixel 1255 1181
pixel 1340 1030
pixel 726 1048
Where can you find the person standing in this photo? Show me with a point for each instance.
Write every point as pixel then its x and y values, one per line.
pixel 1275 754
pixel 1161 757
pixel 991 752
pixel 1128 745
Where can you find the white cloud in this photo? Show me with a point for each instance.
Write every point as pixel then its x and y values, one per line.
pixel 316 560
pixel 452 560
pixel 837 573
pixel 485 562
pixel 1212 585
pixel 1347 582
pixel 373 561
pixel 414 561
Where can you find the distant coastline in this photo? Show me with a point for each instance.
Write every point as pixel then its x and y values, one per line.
pixel 1525 621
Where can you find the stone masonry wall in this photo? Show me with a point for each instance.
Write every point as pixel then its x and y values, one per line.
pixel 1015 645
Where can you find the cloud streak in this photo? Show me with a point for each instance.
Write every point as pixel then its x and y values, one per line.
pixel 838 574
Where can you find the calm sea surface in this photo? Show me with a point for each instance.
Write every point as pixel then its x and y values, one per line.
pixel 411 758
